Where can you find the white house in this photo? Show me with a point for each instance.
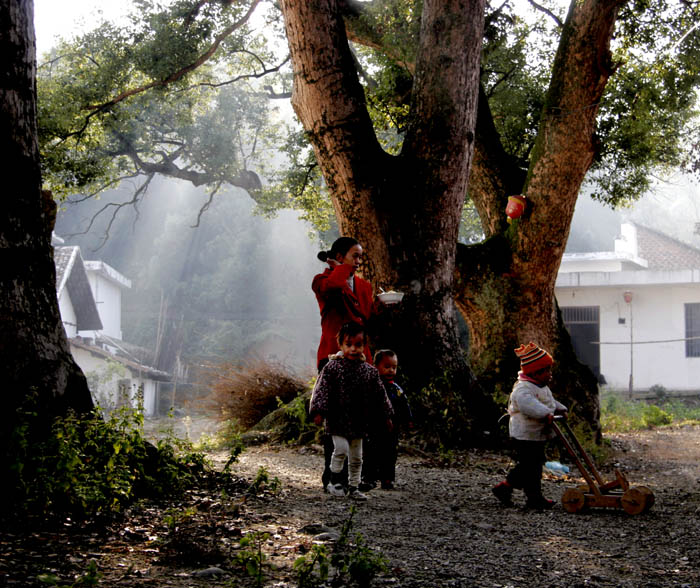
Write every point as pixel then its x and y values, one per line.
pixel 89 297
pixel 634 313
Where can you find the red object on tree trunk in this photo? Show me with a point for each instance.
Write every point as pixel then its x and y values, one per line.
pixel 515 207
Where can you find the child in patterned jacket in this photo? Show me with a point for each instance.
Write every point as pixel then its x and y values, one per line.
pixel 348 394
pixel 531 408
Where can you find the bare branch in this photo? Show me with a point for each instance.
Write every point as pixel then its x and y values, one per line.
pixel 246 179
pixel 206 205
pixel 261 74
pixel 272 95
pixel 548 12
pixel 117 206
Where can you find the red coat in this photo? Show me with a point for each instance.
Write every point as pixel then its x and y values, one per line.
pixel 339 305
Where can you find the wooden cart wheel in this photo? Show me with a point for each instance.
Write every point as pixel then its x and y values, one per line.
pixel 634 500
pixel 649 497
pixel 573 500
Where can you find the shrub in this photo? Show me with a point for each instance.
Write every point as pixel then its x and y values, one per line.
pixel 621 415
pixel 249 391
pixel 653 416
pixel 350 563
pixel 86 465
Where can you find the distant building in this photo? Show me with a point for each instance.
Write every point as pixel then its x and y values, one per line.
pixel 634 313
pixel 89 299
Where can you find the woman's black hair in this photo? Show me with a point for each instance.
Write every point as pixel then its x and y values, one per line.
pixel 351 329
pixel 340 247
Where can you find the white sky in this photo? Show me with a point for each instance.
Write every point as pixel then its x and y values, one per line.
pixel 65 18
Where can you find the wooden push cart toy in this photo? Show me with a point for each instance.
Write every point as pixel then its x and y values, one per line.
pixel 597 493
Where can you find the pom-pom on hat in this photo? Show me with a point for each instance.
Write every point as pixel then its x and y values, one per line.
pixel 533 358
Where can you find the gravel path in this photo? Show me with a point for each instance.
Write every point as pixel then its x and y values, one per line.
pixel 442 526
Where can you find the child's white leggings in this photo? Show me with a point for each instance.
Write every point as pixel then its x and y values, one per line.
pixel 351 448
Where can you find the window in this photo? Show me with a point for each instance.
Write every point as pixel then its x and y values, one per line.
pixel 583 324
pixel 692 329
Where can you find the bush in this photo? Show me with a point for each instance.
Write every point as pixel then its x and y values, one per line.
pixel 87 466
pixel 653 416
pixel 249 391
pixel 622 415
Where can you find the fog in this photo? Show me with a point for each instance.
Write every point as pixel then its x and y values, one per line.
pixel 238 286
pixel 239 283
pixel 671 206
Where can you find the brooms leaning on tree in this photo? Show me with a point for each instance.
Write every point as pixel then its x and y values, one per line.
pixel 597 493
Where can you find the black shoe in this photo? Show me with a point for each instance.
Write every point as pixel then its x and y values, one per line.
pixel 367 486
pixel 387 485
pixel 504 493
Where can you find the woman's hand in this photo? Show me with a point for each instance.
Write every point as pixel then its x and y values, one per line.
pixel 332 263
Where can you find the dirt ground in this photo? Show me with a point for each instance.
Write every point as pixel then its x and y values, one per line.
pixel 440 527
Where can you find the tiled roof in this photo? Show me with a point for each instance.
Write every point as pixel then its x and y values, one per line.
pixel 664 252
pixel 71 276
pixel 146 371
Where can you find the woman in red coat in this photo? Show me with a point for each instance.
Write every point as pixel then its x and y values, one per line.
pixel 342 296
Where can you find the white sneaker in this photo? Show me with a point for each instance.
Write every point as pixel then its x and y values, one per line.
pixel 355 494
pixel 336 489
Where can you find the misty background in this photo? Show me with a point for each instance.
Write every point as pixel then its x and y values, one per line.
pixel 235 287
pixel 238 286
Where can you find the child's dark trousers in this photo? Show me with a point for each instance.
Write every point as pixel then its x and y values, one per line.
pixel 527 472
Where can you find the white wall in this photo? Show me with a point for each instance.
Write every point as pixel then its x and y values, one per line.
pixel 108 298
pixel 104 377
pixel 68 317
pixel 658 315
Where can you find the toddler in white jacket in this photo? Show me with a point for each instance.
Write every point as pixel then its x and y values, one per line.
pixel 531 408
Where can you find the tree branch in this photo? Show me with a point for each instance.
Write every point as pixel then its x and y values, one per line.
pixel 175 76
pixel 548 12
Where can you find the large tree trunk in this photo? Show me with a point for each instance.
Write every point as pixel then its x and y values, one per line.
pixel 508 282
pixel 404 209
pixel 34 350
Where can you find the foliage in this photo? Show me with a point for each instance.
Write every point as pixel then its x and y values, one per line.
pixel 299 427
pixel 90 578
pixel 227 437
pixel 647 120
pixel 262 483
pixel 249 391
pixel 89 466
pixel 175 516
pixel 170 92
pixel 351 563
pixel 442 413
pixel 251 556
pixel 622 415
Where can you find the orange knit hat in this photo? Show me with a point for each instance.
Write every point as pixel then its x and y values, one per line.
pixel 533 358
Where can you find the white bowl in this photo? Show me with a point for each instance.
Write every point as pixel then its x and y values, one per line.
pixel 390 297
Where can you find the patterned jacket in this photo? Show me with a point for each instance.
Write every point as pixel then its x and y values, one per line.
pixel 349 395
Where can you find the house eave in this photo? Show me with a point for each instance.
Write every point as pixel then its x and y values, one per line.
pixel 144 370
pixel 627 278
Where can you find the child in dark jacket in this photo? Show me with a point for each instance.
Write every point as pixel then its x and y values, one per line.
pixel 383 444
pixel 348 394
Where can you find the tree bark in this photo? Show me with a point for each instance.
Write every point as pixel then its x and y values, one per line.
pixel 507 293
pixel 33 346
pixel 405 209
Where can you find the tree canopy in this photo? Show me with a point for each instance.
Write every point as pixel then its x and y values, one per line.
pixel 185 90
